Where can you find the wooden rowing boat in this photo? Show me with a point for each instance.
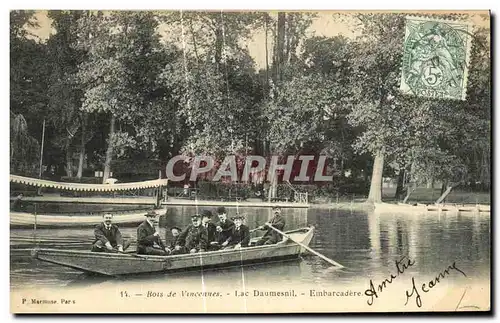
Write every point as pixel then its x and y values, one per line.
pixel 117 264
pixel 25 219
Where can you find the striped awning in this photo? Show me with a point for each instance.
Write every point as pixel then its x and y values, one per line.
pixel 87 187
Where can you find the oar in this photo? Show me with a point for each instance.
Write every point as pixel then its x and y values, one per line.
pixel 307 248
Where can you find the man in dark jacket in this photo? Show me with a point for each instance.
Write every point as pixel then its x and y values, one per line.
pixel 108 237
pixel 225 226
pixel 240 234
pixel 148 238
pixel 271 236
pixel 194 238
pixel 176 231
pixel 17 204
pixel 212 234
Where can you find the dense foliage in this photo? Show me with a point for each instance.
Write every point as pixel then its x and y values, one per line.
pixel 119 86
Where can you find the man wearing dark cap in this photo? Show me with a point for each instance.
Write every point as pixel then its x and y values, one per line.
pixel 108 237
pixel 240 234
pixel 225 226
pixel 148 238
pixel 194 238
pixel 212 234
pixel 271 236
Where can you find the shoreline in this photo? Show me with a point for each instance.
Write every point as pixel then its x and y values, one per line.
pixel 138 200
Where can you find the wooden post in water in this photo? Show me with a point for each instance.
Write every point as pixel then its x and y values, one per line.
pixel 34 227
pixel 158 192
pixel 41 150
pixel 39 191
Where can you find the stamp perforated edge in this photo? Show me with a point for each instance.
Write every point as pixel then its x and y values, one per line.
pixel 470 30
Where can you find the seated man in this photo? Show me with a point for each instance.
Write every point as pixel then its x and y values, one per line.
pixel 16 206
pixel 225 226
pixel 175 231
pixel 212 234
pixel 240 235
pixel 271 236
pixel 148 238
pixel 108 237
pixel 194 238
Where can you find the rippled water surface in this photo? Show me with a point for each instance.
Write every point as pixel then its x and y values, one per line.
pixel 365 243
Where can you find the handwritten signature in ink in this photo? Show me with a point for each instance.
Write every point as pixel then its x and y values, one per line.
pixel 401 265
pixel 431 284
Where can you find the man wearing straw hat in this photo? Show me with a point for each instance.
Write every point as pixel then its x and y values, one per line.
pixel 108 237
pixel 148 238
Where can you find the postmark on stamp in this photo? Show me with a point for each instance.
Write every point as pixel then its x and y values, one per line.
pixel 435 58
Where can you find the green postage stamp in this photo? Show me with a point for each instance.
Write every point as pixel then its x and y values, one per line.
pixel 435 58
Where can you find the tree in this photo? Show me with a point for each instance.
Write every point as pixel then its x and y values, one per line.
pixel 310 107
pixel 24 149
pixel 28 71
pixel 65 93
pixel 417 134
pixel 454 143
pixel 218 90
pixel 119 77
pixel 375 77
pixel 27 93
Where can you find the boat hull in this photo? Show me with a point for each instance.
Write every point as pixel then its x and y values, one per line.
pixel 116 264
pixel 23 219
pixel 423 208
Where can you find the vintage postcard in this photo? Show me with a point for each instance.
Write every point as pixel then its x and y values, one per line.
pixel 250 161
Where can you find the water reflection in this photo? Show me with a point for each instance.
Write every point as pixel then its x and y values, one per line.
pixel 375 242
pixel 366 243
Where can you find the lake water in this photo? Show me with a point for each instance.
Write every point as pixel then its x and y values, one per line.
pixel 365 243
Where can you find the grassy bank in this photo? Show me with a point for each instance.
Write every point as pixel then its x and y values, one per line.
pixel 420 195
pixel 430 195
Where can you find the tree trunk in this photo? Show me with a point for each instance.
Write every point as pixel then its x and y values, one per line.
pixel 445 190
pixel 288 36
pixel 194 40
pixel 266 93
pixel 273 188
pixel 219 42
pixel 442 198
pixel 409 190
pixel 81 158
pixel 109 151
pixel 366 175
pixel 69 161
pixel 279 48
pixel 444 186
pixel 485 170
pixel 400 185
pixel 375 195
